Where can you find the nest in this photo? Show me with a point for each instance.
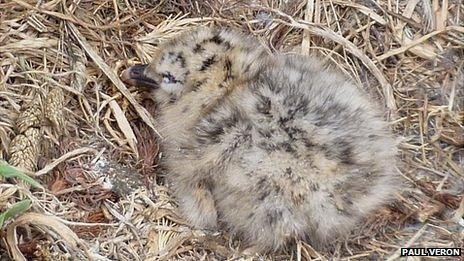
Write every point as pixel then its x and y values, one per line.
pixel 68 121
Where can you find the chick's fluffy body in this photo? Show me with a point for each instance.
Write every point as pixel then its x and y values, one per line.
pixel 271 147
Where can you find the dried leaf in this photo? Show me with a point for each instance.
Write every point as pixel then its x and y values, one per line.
pixel 78 62
pixel 147 118
pixel 49 223
pixel 124 125
pixel 29 44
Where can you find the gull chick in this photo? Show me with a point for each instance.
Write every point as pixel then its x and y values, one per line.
pixel 270 147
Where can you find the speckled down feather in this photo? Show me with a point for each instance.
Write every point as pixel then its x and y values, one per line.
pixel 270 147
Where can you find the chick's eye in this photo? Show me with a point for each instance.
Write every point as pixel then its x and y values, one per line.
pixel 168 78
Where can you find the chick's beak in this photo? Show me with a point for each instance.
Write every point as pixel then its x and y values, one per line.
pixel 134 76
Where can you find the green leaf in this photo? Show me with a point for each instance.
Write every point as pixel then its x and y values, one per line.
pixel 14 210
pixel 10 172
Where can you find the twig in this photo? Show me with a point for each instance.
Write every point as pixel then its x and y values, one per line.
pixel 64 157
pixel 146 117
pixel 326 32
pixel 408 244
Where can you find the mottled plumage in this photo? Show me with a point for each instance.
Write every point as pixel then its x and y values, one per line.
pixel 271 147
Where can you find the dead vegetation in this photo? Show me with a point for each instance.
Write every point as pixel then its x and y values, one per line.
pixel 67 119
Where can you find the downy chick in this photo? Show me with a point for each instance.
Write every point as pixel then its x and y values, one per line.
pixel 270 147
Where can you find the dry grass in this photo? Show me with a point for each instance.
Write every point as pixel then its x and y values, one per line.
pixel 97 153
